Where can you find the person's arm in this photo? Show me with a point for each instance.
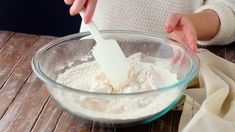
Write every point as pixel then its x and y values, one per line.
pixel 190 27
pixel 206 24
pixel 225 9
pixel 211 24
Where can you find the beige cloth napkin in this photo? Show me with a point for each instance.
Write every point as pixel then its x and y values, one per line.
pixel 211 106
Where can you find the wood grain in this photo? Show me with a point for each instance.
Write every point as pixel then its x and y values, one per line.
pixel 139 128
pixel 19 76
pixel 96 128
pixel 230 53
pixel 4 37
pixel 26 99
pixel 12 53
pixel 67 123
pixel 176 120
pixel 26 107
pixel 163 124
pixel 48 117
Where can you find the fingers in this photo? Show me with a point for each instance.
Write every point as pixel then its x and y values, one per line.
pixel 77 6
pixel 172 22
pixel 90 8
pixel 69 2
pixel 176 56
pixel 180 28
pixel 191 35
pixel 179 57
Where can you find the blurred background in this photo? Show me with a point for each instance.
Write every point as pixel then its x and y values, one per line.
pixel 44 17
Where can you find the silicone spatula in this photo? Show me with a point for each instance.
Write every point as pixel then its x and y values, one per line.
pixel 109 57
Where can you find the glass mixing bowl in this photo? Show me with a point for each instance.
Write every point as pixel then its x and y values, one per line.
pixel 61 54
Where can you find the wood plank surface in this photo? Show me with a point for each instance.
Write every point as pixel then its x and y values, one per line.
pixel 24 110
pixel 26 97
pixel 138 128
pixel 96 128
pixel 67 123
pixel 176 120
pixel 19 76
pixel 12 53
pixel 163 124
pixel 230 53
pixel 48 117
pixel 4 37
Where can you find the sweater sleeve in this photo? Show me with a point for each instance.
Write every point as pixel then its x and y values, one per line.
pixel 226 12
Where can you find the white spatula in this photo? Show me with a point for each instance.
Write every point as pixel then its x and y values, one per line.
pixel 109 57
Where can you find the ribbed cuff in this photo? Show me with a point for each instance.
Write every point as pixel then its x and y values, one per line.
pixel 226 16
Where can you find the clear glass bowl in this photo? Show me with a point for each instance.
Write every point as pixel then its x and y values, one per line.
pixel 63 53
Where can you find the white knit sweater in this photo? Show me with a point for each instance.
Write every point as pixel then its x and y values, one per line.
pixel 150 15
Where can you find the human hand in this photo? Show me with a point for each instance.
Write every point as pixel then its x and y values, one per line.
pixel 78 5
pixel 180 28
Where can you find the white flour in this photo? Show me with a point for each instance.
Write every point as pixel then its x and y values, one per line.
pixel 147 73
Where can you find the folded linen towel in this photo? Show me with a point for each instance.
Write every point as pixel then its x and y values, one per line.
pixel 210 106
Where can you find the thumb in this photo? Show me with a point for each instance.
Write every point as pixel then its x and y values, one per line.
pixel 68 2
pixel 172 22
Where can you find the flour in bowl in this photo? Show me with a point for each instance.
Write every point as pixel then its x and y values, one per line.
pixel 147 73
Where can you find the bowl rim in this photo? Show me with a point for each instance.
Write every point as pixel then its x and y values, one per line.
pixel 194 70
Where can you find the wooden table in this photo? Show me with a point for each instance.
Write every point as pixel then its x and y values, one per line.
pixel 25 104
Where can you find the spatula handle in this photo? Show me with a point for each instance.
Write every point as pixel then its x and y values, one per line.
pixel 93 29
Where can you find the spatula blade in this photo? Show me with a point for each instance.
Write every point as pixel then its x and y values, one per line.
pixel 112 61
